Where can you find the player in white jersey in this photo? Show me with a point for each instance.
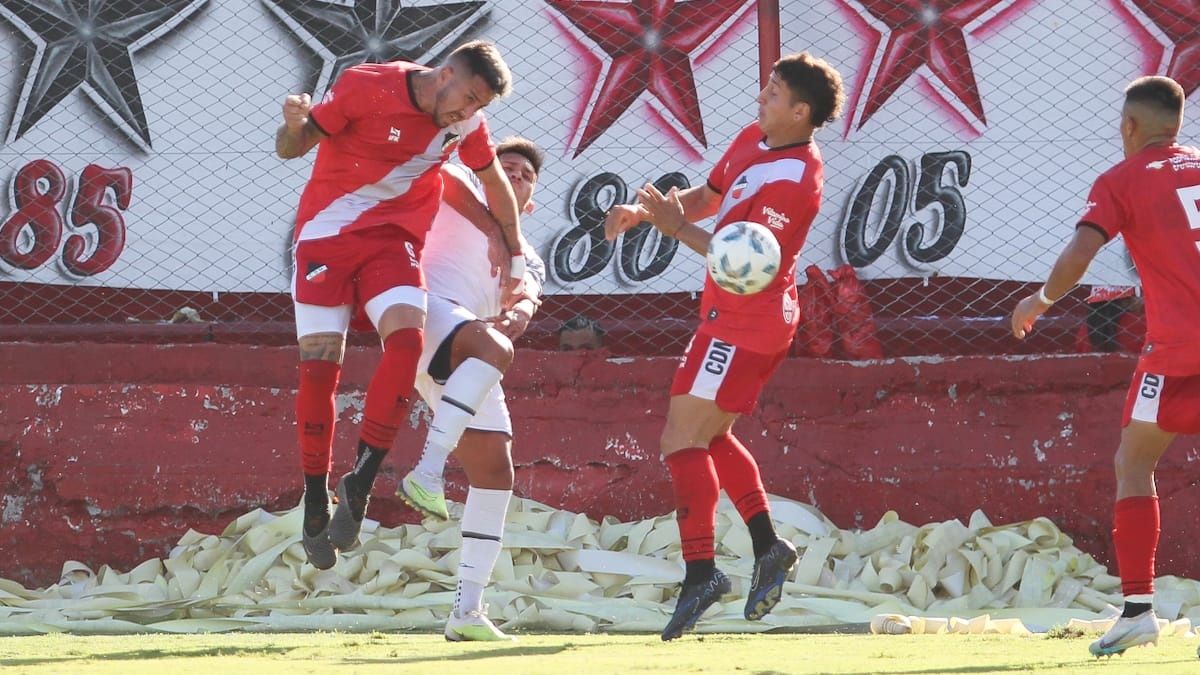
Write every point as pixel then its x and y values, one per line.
pixel 467 349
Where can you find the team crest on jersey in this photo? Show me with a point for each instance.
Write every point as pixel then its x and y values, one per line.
pixel 316 272
pixel 739 187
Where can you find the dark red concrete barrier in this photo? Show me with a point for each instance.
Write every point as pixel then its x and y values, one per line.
pixel 108 453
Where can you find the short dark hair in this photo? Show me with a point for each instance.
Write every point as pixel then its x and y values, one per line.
pixel 525 148
pixel 815 82
pixel 483 59
pixel 1158 92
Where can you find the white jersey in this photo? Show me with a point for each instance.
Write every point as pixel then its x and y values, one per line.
pixel 464 263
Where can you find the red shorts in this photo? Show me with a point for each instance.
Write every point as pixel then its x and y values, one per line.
pixel 1170 401
pixel 730 376
pixel 355 266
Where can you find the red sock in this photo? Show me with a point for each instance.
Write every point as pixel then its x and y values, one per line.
pixel 315 414
pixel 1135 536
pixel 387 395
pixel 738 473
pixel 696 489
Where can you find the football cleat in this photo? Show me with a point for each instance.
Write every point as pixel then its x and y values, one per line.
pixel 343 526
pixel 321 553
pixel 425 493
pixel 770 571
pixel 474 626
pixel 1127 632
pixel 693 600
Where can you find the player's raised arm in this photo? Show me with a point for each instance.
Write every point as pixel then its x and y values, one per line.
pixel 298 134
pixel 672 213
pixel 1068 270
pixel 503 205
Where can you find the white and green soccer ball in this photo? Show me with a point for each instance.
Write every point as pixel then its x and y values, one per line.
pixel 743 257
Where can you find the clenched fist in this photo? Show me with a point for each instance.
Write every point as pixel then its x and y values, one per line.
pixel 295 110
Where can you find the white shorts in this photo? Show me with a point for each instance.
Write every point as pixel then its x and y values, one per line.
pixel 441 322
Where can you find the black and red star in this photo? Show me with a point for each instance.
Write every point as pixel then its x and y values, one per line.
pixel 650 46
pixel 1175 26
pixel 918 35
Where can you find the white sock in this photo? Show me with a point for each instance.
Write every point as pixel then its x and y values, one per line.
pixel 482 530
pixel 465 391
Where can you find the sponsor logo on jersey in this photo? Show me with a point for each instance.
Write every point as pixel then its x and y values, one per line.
pixel 789 308
pixel 775 219
pixel 393 135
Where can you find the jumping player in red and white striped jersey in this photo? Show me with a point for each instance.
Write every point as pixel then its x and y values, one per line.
pixel 383 132
pixel 772 174
pixel 1153 199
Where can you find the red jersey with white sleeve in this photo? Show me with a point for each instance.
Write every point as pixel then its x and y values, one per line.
pixel 781 189
pixel 1153 199
pixel 380 161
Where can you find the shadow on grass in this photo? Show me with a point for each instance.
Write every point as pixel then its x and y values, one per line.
pixel 146 654
pixel 1024 668
pixel 477 654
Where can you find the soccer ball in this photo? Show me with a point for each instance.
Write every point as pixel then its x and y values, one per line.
pixel 743 257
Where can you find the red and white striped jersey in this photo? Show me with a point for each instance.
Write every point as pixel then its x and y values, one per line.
pixel 380 161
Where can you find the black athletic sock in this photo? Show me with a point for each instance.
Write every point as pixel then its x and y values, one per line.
pixel 1132 609
pixel 698 571
pixel 316 503
pixel 762 532
pixel 358 485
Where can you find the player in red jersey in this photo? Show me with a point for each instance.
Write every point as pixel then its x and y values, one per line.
pixel 771 174
pixel 383 132
pixel 1153 199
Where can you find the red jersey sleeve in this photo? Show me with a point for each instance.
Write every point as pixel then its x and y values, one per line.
pixel 477 150
pixel 340 104
pixel 1104 211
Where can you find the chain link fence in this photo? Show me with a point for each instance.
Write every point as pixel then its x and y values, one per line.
pixel 145 201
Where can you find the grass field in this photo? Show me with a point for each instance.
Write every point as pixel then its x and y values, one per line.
pixel 579 654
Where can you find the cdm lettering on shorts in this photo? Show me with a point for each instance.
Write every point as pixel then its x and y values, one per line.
pixel 718 357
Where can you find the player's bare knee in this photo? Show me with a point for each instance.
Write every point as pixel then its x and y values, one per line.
pixel 398 317
pixel 322 347
pixel 477 340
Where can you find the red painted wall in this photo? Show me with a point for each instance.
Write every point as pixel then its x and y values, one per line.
pixel 108 453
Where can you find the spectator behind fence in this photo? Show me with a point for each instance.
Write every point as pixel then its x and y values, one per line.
pixel 580 332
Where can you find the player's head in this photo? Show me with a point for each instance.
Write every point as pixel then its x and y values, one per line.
pixel 473 76
pixel 804 92
pixel 1153 112
pixel 521 159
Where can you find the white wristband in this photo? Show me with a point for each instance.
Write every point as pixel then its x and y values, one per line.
pixel 1042 296
pixel 516 268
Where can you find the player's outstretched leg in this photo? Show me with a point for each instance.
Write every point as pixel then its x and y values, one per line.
pixel 385 404
pixel 696 489
pixel 1136 524
pixel 773 557
pixel 486 458
pixel 464 392
pixel 315 417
